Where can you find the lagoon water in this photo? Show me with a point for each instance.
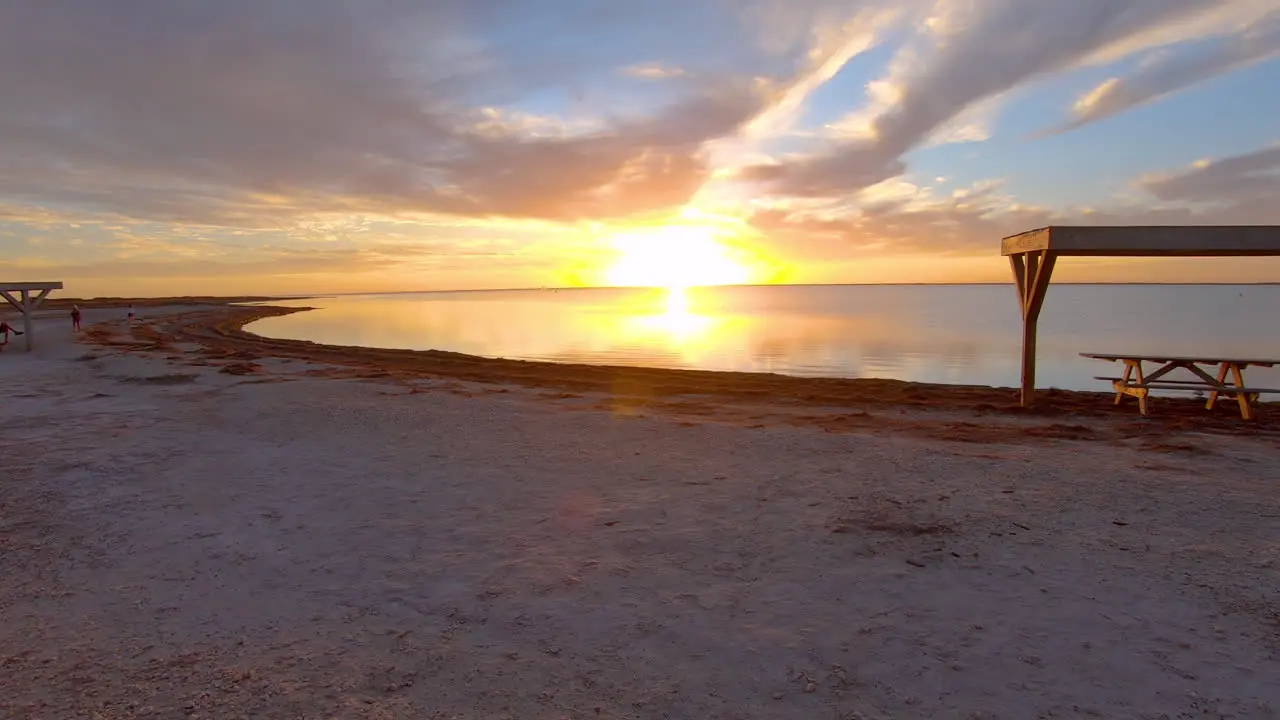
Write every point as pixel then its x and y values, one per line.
pixel 966 334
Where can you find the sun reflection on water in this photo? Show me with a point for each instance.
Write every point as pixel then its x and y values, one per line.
pixel 676 320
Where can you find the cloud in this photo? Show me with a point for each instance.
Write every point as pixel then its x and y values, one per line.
pixel 637 167
pixel 973 52
pixel 155 107
pixel 1172 72
pixel 835 39
pixel 897 217
pixel 1213 17
pixel 328 253
pixel 654 71
pixel 299 262
pixel 237 112
pixel 811 29
pixel 971 220
pixel 823 36
pixel 1247 183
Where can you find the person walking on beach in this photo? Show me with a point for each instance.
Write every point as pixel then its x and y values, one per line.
pixel 130 313
pixel 75 318
pixel 5 329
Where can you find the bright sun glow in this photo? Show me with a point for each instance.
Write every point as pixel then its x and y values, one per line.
pixel 674 256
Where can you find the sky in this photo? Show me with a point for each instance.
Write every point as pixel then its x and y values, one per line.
pixel 164 147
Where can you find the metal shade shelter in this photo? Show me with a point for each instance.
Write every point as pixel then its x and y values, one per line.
pixel 1034 253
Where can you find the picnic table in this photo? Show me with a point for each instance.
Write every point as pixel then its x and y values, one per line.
pixel 1138 383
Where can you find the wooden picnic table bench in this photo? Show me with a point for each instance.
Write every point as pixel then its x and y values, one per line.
pixel 1137 383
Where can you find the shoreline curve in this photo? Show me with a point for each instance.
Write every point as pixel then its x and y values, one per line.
pixel 221 330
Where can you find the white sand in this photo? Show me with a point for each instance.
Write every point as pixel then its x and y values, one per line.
pixel 310 547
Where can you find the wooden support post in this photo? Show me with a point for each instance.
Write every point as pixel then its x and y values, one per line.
pixel 1019 265
pixel 1028 393
pixel 1031 273
pixel 28 335
pixel 28 316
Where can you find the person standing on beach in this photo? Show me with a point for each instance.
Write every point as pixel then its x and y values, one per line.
pixel 75 318
pixel 130 313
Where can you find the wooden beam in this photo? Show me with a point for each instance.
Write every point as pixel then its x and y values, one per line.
pixel 1025 242
pixel 1018 264
pixel 1040 287
pixel 11 300
pixel 30 286
pixel 1029 282
pixel 1148 241
pixel 39 299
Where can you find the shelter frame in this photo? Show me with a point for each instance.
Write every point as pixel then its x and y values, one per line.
pixel 27 297
pixel 1033 255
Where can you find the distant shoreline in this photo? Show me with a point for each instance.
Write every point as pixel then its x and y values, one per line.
pixel 57 302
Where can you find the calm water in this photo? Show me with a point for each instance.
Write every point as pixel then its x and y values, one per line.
pixel 946 334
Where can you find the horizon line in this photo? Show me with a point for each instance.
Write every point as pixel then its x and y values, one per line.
pixel 304 295
pixel 762 285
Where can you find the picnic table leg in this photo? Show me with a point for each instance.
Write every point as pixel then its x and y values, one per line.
pixel 1246 407
pixel 1128 373
pixel 1142 380
pixel 1222 378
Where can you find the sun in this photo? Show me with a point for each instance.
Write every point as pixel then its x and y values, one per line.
pixel 674 256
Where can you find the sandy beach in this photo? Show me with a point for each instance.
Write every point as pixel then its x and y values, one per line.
pixel 196 522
